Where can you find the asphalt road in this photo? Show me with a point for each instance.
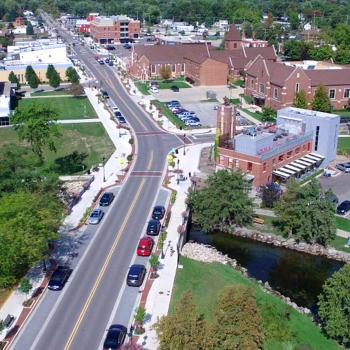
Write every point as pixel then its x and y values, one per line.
pixel 78 316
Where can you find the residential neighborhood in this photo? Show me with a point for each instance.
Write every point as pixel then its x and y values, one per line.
pixel 174 175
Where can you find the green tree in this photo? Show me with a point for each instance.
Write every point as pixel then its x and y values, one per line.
pixel 72 75
pixel 76 90
pixel 50 70
pixel 14 79
pixel 300 100
pixel 238 323
pixel 268 114
pixel 270 194
pixel 25 286
pixel 28 220
pixel 29 28
pixel 223 203
pixel 334 305
pixel 31 77
pixel 37 125
pixel 294 20
pixel 165 72
pixel 321 101
pixel 54 77
pixel 183 329
pixel 306 214
pixel 140 315
pixel 296 50
pixel 154 262
pixel 321 53
pixel 342 55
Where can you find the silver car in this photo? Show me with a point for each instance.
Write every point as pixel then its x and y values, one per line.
pixel 96 216
pixel 344 167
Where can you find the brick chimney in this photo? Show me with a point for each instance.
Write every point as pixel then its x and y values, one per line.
pixel 226 123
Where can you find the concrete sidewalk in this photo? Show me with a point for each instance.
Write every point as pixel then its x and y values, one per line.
pixel 158 300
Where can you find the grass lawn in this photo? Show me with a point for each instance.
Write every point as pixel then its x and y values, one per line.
pixel 168 113
pixel 342 113
pixel 239 83
pixel 143 88
pixel 169 84
pixel 343 145
pixel 51 93
pixel 255 115
pixel 207 280
pixel 247 98
pixel 90 138
pixel 235 101
pixel 67 107
pixel 343 223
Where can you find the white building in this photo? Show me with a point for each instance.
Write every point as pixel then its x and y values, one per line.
pixel 222 24
pixel 20 30
pixel 6 97
pixel 182 26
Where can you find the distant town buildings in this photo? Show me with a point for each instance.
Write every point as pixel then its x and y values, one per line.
pixel 274 84
pixel 106 30
pixel 300 142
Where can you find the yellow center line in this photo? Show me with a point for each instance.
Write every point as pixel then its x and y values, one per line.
pixel 103 270
pixel 150 161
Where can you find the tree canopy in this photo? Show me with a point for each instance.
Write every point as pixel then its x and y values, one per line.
pixel 31 77
pixel 224 202
pixel 300 100
pixel 334 306
pixel 306 214
pixel 37 125
pixel 321 100
pixel 14 79
pixel 72 75
pixel 53 76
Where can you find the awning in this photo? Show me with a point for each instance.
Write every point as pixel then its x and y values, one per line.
pixel 299 166
pixel 309 156
pixel 309 161
pixel 317 156
pixel 302 162
pixel 291 167
pixel 280 173
pixel 286 170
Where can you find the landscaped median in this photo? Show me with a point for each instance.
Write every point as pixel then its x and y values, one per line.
pixel 169 114
pixel 284 327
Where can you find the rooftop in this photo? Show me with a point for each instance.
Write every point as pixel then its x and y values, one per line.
pixel 233 33
pixel 298 112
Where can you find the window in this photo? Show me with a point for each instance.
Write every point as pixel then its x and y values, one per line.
pixel 316 137
pixel 261 88
pixel 173 68
pixel 235 45
pixel 264 167
pixel 183 68
pixel 249 166
pixel 274 161
pixel 289 154
pixel 252 83
pixel 281 158
pixel 153 68
pixel 275 93
pixel 332 93
pixel 297 87
pixel 297 150
pixel 346 93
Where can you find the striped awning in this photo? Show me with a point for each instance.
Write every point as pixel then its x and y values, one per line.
pixel 291 167
pixel 280 173
pixel 297 165
pixel 286 170
pixel 303 162
pixel 310 158
pixel 317 156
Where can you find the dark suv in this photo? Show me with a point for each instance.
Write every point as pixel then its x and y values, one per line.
pixel 153 227
pixel 59 278
pixel 106 199
pixel 158 212
pixel 115 337
pixel 136 275
pixel 343 208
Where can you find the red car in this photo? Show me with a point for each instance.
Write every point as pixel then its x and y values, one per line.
pixel 145 246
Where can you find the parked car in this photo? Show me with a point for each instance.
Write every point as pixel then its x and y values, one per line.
pixel 107 60
pixel 118 114
pixel 101 62
pixel 153 227
pixel 96 216
pixel 115 337
pixel 192 123
pixel 59 278
pixel 173 103
pixel 153 89
pixel 110 63
pixel 344 167
pixel 106 199
pixel 104 94
pixel 158 212
pixel 145 246
pixel 174 88
pixel 343 208
pixel 136 275
pixel 115 109
pixel 121 120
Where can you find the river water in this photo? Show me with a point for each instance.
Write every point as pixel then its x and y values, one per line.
pixel 296 275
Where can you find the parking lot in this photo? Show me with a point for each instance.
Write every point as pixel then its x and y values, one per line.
pixel 339 184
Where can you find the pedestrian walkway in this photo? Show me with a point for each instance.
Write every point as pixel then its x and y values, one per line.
pixel 78 121
pixel 158 301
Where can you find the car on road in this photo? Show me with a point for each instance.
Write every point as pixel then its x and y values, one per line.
pixel 115 337
pixel 121 120
pixel 115 109
pixel 344 167
pixel 192 123
pixel 136 275
pixel 101 62
pixel 59 278
pixel 104 94
pixel 173 103
pixel 153 89
pixel 107 60
pixel 106 199
pixel 145 246
pixel 110 63
pixel 153 227
pixel 96 216
pixel 117 114
pixel 174 88
pixel 158 212
pixel 343 208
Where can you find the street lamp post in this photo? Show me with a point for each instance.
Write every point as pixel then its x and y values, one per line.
pixel 184 144
pixel 103 169
pixel 177 173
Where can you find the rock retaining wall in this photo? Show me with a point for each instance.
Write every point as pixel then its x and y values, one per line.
pixel 207 253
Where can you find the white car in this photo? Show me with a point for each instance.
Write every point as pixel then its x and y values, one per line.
pixel 115 109
pixel 154 89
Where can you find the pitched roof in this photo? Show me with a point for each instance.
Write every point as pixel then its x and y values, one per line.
pixel 168 53
pixel 268 53
pixel 233 33
pixel 328 77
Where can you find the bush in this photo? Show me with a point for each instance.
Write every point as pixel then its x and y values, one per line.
pixel 173 197
pixel 129 158
pixel 25 285
pixel 131 141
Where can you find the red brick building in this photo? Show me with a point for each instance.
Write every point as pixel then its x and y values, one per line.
pixel 112 29
pixel 233 38
pixel 19 22
pixel 274 84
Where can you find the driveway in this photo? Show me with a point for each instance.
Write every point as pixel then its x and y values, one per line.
pixel 339 184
